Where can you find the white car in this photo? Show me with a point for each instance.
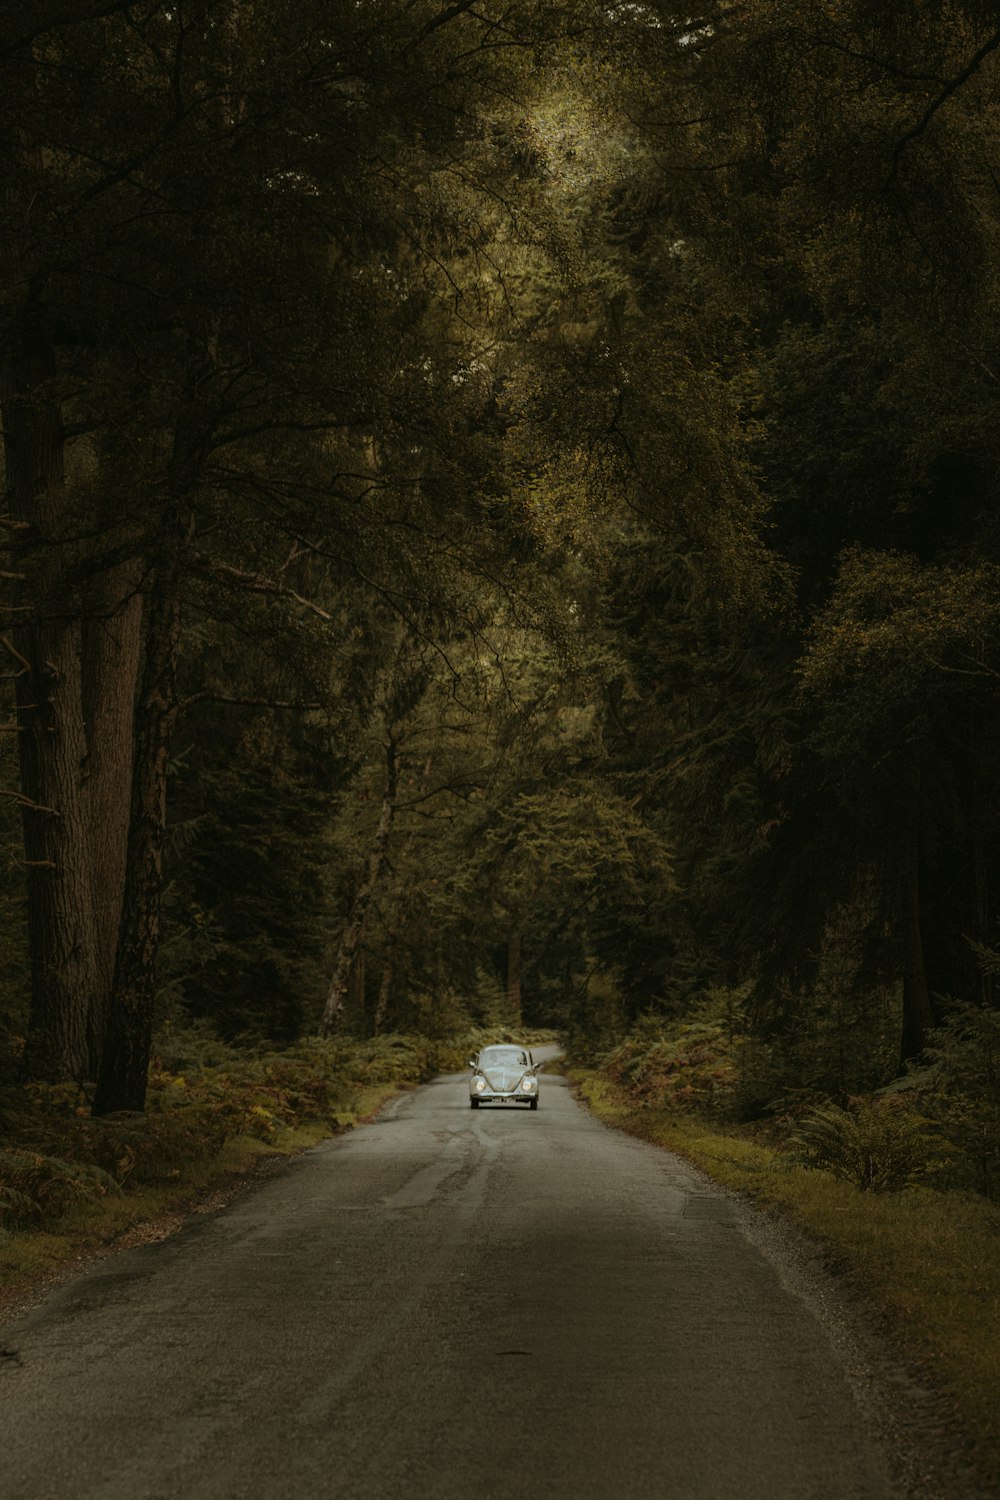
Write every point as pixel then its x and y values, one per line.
pixel 503 1075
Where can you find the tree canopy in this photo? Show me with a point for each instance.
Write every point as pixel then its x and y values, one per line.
pixel 500 517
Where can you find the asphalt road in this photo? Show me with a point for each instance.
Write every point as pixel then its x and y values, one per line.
pixel 446 1303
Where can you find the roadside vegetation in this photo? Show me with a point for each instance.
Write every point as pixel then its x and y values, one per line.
pixel 216 1114
pixel 898 1185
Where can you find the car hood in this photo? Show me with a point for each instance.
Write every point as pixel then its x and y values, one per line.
pixel 504 1078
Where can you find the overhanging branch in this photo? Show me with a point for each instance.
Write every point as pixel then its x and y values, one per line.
pixel 989 46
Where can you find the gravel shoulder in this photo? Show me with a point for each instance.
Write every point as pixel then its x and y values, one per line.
pixel 915 1421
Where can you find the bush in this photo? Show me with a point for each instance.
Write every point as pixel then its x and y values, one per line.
pixel 879 1145
pixel 689 1065
pixel 34 1185
pixel 960 1091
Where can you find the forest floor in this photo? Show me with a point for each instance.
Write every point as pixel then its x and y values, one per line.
pixel 922 1263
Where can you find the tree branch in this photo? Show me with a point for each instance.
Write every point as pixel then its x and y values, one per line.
pixel 980 670
pixel 23 801
pixel 255 583
pixel 956 83
pixel 12 650
pixel 450 13
pixel 456 788
pixel 274 703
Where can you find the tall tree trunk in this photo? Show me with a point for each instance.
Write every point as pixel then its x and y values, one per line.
pixel 981 774
pixel 334 1008
pixel 393 928
pixel 53 747
pixel 358 982
pixel 64 977
pixel 123 1075
pixel 514 976
pixel 112 655
pixel 384 991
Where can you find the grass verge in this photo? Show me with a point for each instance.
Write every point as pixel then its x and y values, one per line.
pixel 930 1260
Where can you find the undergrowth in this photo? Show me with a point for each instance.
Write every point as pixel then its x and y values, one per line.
pixel 202 1094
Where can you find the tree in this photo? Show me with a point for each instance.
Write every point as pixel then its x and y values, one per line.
pixel 241 276
pixel 854 277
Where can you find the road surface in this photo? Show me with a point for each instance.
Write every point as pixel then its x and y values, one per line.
pixel 445 1303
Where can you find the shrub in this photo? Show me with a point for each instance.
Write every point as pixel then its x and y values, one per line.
pixel 151 1146
pixel 879 1144
pixel 960 1091
pixel 34 1185
pixel 690 1065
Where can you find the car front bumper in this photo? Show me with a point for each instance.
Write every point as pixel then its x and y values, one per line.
pixel 494 1098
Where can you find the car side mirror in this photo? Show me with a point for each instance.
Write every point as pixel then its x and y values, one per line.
pixel 472 1062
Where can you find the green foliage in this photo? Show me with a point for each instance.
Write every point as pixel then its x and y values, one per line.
pixel 836 1037
pixel 878 1144
pixel 685 1065
pixel 959 1089
pixel 258 1093
pixel 894 633
pixel 710 1052
pixel 35 1185
pixel 202 1092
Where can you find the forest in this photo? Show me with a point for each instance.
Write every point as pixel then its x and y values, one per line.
pixel 502 529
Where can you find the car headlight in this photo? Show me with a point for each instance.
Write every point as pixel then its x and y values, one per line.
pixel 527 1084
pixel 479 1085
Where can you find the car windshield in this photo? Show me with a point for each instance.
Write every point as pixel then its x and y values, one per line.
pixel 497 1057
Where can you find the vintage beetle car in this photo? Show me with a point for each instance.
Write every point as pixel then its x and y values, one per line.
pixel 503 1075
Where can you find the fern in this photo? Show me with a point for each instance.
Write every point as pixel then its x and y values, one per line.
pixel 34 1185
pixel 880 1145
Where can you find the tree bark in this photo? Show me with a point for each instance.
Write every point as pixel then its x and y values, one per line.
pixel 514 976
pixel 52 742
pixel 334 1007
pixel 358 982
pixel 393 928
pixel 382 1002
pixel 112 654
pixel 64 977
pixel 123 1075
